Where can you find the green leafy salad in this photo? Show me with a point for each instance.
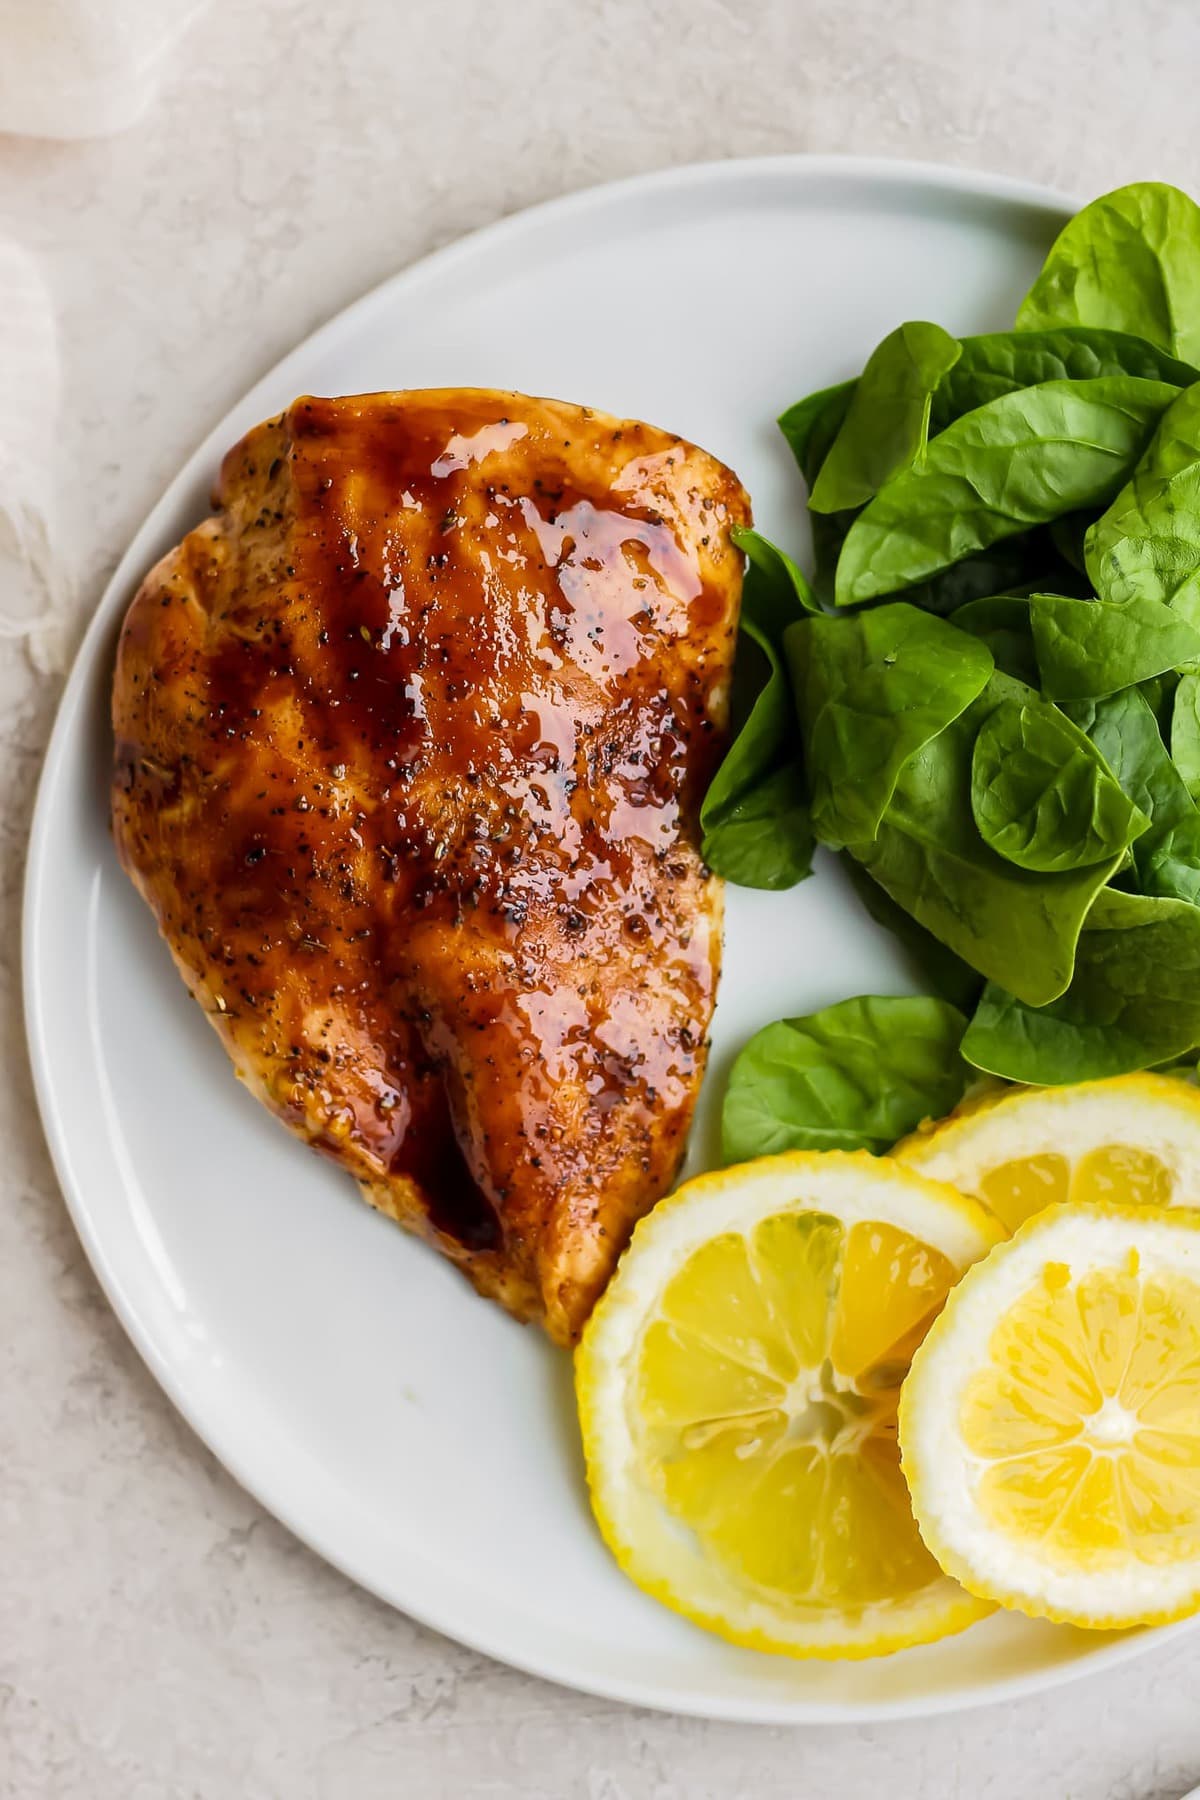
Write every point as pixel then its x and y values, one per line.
pixel 986 700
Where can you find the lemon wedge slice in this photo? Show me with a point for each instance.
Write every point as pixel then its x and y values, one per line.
pixel 737 1389
pixel 1134 1139
pixel 1050 1424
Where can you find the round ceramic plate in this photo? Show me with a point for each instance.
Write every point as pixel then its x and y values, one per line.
pixel 411 1433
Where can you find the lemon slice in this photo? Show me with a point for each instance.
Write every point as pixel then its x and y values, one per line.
pixel 1135 1139
pixel 1050 1424
pixel 737 1390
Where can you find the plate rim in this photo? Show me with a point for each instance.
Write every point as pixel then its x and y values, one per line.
pixel 211 1431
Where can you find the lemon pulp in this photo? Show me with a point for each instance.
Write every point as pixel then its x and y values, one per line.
pixel 1131 1140
pixel 764 1404
pixel 1016 1190
pixel 1088 1418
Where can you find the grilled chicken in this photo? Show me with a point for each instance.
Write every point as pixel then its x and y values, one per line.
pixel 411 738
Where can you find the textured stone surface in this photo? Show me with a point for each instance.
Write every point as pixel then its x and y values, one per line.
pixel 160 1639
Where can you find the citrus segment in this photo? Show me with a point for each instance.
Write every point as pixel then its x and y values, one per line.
pixel 1016 1190
pixel 1134 1140
pixel 892 1282
pixel 1124 1174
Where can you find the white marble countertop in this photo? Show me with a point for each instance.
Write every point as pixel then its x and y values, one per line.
pixel 160 1638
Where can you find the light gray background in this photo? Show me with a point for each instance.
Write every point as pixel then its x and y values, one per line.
pixel 160 1638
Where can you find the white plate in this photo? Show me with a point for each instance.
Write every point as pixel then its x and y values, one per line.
pixel 409 1432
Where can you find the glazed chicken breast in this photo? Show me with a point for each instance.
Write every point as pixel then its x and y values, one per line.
pixel 411 738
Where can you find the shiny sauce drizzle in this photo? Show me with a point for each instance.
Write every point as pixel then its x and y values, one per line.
pixel 458 676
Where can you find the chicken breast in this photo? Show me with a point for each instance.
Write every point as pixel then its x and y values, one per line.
pixel 411 738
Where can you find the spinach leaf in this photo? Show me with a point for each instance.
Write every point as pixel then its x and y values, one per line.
pixel 1184 1069
pixel 1001 621
pixel 855 1076
pixel 932 966
pixel 1185 734
pixel 811 425
pixel 763 837
pixel 1015 926
pixel 754 820
pixel 1128 262
pixel 1020 461
pixel 1134 1000
pixel 778 590
pixel 1168 860
pixel 1024 564
pixel 759 754
pixel 1001 361
pixel 1126 733
pixel 1041 793
pixel 870 689
pixel 1087 649
pixel 887 421
pixel 1068 535
pixel 1159 694
pixel 1147 545
pixel 828 535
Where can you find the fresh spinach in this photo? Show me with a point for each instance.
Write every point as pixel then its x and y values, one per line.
pixel 1125 731
pixel 1128 262
pixel 1180 1069
pixel 887 421
pixel 1024 564
pixel 1015 926
pixel 1159 695
pixel 754 821
pixel 778 590
pixel 1087 649
pixel 1020 461
pixel 870 689
pixel 1001 361
pixel 965 498
pixel 763 836
pixel 1134 1000
pixel 1168 860
pixel 1146 546
pixel 1041 793
pixel 1067 535
pixel 1185 734
pixel 934 968
pixel 811 425
pixel 828 535
pixel 854 1076
pixel 1001 621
